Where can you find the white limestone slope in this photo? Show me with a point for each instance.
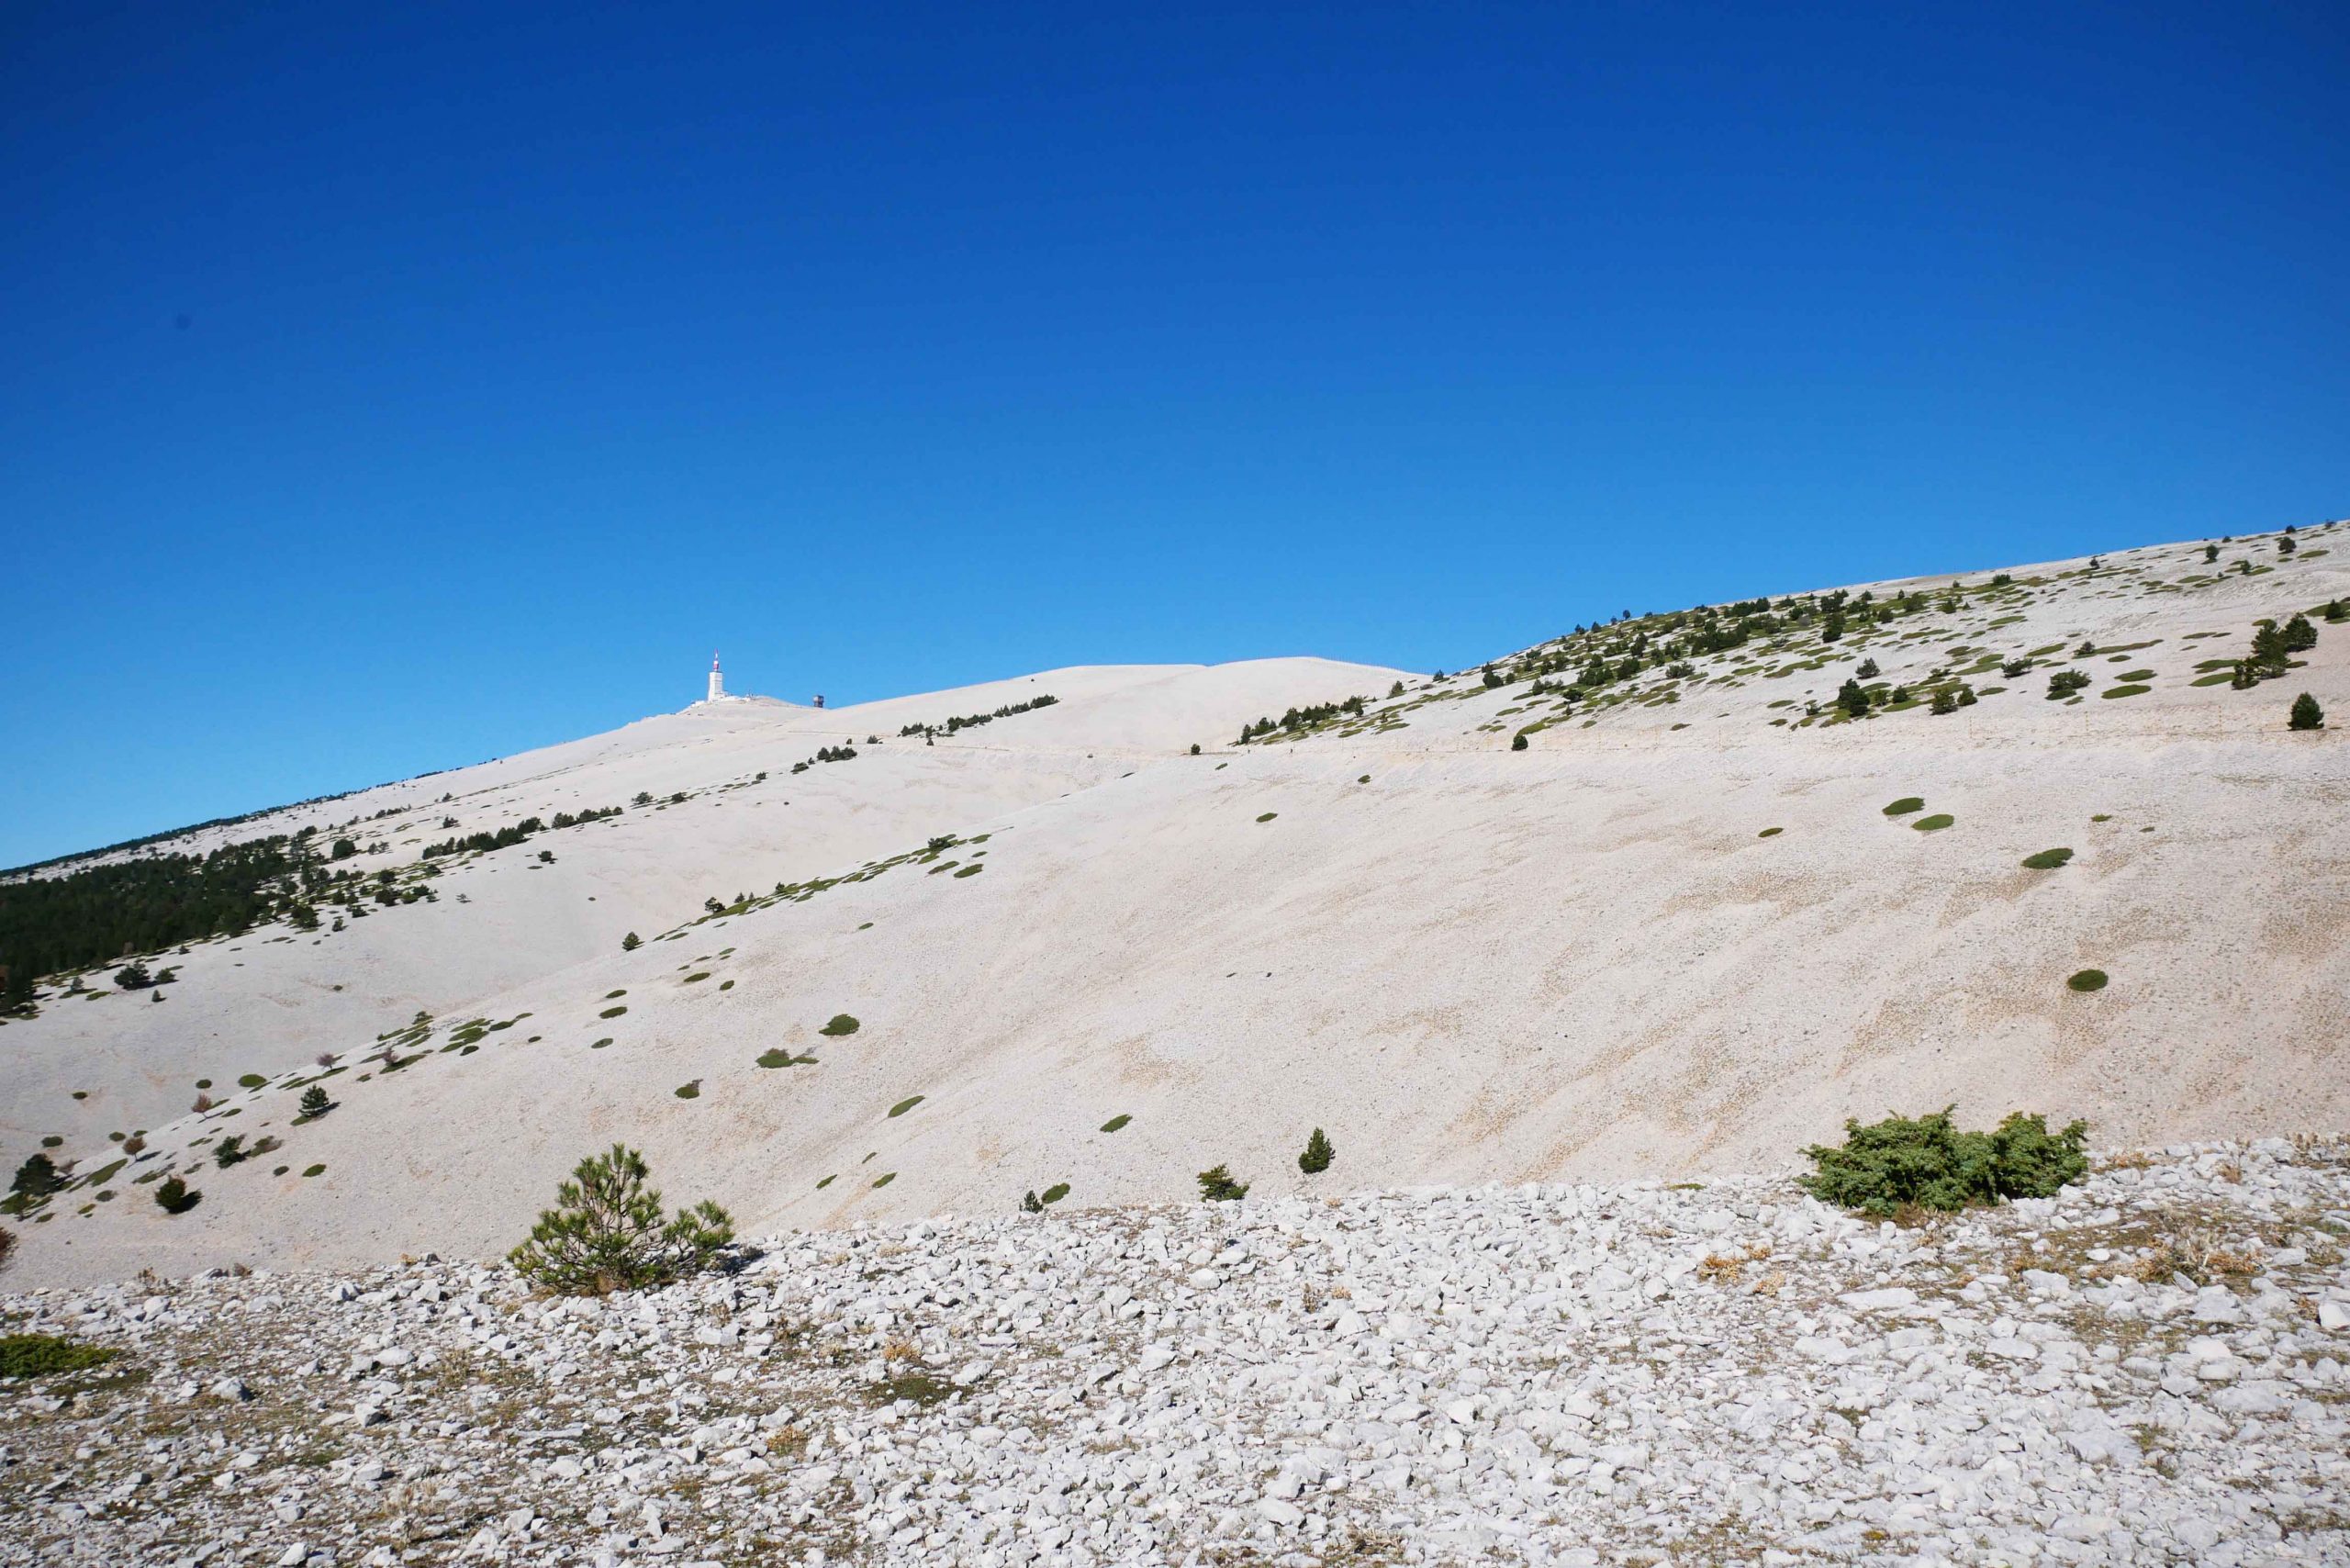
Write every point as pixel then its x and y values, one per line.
pixel 271 1000
pixel 1468 963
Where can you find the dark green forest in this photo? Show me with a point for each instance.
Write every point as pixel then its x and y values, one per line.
pixel 98 914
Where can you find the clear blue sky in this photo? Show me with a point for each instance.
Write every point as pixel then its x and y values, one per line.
pixel 386 387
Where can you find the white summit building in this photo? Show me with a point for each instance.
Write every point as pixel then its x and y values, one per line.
pixel 718 693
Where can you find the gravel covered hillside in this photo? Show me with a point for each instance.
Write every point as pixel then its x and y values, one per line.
pixel 2145 1370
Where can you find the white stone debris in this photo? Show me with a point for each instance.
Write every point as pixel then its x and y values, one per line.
pixel 2146 1369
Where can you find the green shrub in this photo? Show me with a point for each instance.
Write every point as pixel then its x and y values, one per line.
pixel 1517 740
pixel 1218 1186
pixel 842 1024
pixel 2047 860
pixel 1054 1194
pixel 885 1177
pixel 315 1170
pixel 2125 691
pixel 1903 806
pixel 2065 682
pixel 175 1196
pixel 689 1091
pixel 1317 1158
pixel 903 1107
pixel 2306 713
pixel 2087 979
pixel 1268 816
pixel 613 1011
pixel 782 1058
pixel 1771 832
pixel 229 1152
pixel 971 870
pixel 606 1234
pixel 632 942
pixel 1927 1162
pixel 1934 823
pixel 315 1103
pixel 37 1355
pixel 1114 1123
pixel 252 1080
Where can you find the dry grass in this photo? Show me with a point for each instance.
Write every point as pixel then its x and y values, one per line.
pixel 2199 1255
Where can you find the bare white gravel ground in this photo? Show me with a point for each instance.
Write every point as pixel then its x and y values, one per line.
pixel 2145 1369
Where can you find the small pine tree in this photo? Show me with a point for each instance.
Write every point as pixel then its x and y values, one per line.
pixel 605 1233
pixel 632 942
pixel 1317 1158
pixel 2307 714
pixel 133 977
pixel 1031 1205
pixel 1517 742
pixel 175 1196
pixel 37 1178
pixel 1395 690
pixel 1868 670
pixel 315 1103
pixel 2210 554
pixel 1854 699
pixel 2336 611
pixel 1216 1186
pixel 2299 635
pixel 2285 545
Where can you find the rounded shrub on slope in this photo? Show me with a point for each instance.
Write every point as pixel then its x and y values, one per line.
pixel 2087 979
pixel 2306 714
pixel 689 1091
pixel 908 1103
pixel 1903 806
pixel 842 1024
pixel 1318 1154
pixel 1771 832
pixel 1114 1123
pixel 1934 823
pixel 1926 1162
pixel 1268 816
pixel 606 1234
pixel 2047 860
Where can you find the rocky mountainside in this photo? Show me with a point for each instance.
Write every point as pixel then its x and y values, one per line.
pixel 2146 1369
pixel 1667 896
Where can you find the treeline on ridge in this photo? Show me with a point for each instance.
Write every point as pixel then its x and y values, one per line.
pixel 973 721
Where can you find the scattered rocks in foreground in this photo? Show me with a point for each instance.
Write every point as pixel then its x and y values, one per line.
pixel 2145 1369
